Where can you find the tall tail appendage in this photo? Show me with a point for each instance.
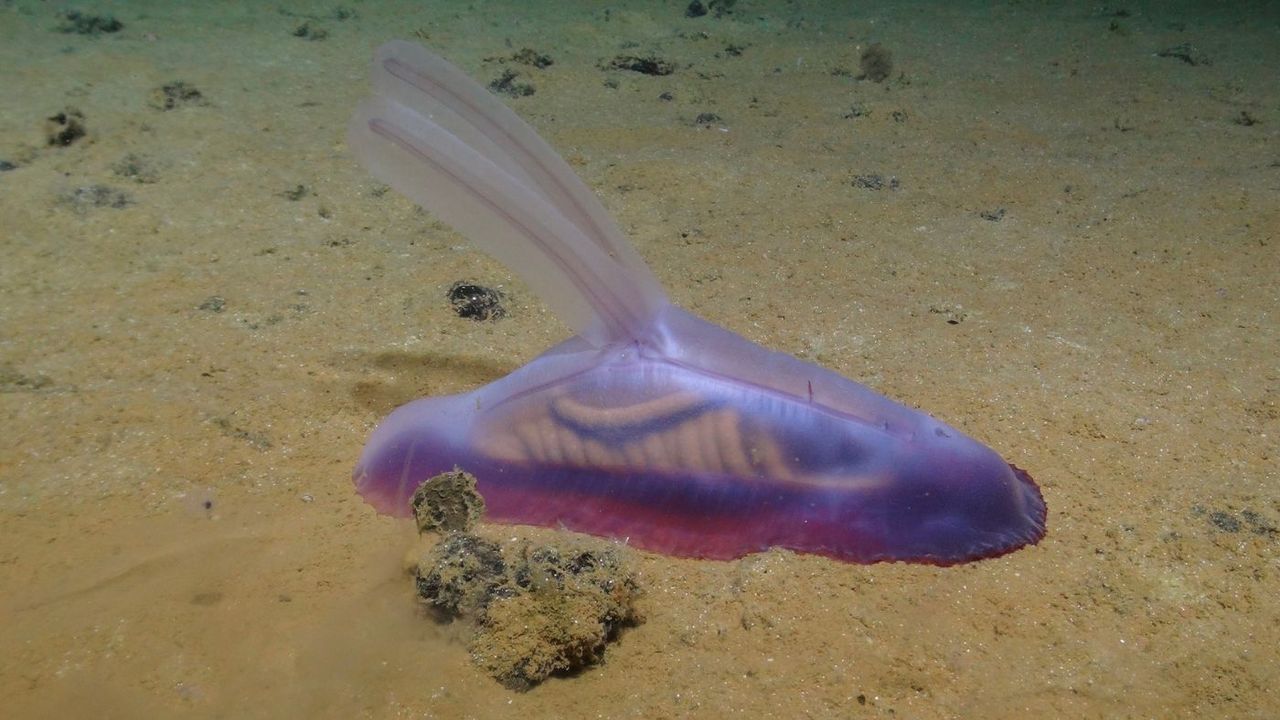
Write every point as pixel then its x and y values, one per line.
pixel 443 141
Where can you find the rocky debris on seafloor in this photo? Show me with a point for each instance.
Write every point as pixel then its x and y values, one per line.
pixel 447 503
pixel 535 610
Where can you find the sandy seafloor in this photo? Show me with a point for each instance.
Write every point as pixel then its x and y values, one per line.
pixel 179 536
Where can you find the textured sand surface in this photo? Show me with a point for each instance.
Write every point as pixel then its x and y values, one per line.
pixel 187 379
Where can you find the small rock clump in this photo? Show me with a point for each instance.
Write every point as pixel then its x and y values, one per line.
pixel 448 502
pixel 557 612
pixel 536 610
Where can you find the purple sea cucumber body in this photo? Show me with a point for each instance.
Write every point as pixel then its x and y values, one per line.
pixel 702 444
pixel 651 425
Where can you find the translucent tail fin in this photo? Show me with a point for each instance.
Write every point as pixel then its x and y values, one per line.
pixel 443 141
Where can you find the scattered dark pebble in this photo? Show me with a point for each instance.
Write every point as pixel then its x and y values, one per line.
pixel 295 193
pixel 213 303
pixel 256 439
pixel 1233 522
pixel 993 215
pixel 1244 119
pixel 447 502
pixel 526 56
pixel 13 380
pixel 716 8
pixel 176 94
pixel 476 302
pixel 1185 52
pixel 87 197
pixel 857 111
pixel 876 63
pixel 75 22
pixel 1258 524
pixel 136 168
pixel 307 32
pixel 506 85
pixel 6 166
pixel 875 181
pixel 65 128
pixel 1224 521
pixel 339 13
pixel 644 65
pixel 269 320
pixel 952 315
